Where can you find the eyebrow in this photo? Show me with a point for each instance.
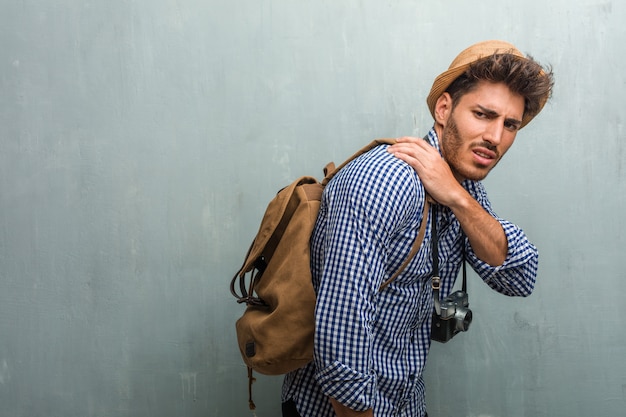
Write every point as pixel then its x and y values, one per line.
pixel 492 114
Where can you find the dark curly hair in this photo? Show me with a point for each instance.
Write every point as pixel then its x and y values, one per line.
pixel 523 76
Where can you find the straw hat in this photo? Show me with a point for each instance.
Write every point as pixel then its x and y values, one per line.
pixel 463 61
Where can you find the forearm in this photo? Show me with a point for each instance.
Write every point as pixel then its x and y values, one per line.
pixel 485 233
pixel 343 411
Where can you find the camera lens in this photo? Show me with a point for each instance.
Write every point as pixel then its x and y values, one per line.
pixel 463 319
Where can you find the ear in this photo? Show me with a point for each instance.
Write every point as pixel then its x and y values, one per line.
pixel 443 108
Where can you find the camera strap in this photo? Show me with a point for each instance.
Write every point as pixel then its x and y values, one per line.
pixel 436 279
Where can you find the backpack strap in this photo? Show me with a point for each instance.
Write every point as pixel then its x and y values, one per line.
pixel 330 170
pixel 416 245
pixel 251 380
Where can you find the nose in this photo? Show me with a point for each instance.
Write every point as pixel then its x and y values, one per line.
pixel 493 132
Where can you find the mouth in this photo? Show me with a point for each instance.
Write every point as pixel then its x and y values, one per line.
pixel 484 156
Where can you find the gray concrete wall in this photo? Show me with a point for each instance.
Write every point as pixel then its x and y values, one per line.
pixel 141 141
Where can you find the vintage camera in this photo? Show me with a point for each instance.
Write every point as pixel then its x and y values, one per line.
pixel 455 317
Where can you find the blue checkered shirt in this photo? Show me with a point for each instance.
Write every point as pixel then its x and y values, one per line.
pixel 371 346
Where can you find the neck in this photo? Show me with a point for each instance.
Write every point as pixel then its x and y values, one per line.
pixel 439 131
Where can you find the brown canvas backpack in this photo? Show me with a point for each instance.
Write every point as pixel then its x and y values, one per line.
pixel 275 332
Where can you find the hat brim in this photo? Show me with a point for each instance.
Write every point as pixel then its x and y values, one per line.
pixel 441 83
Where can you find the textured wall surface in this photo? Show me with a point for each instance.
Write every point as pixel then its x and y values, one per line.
pixel 141 141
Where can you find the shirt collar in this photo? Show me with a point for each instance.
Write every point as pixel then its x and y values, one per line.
pixel 433 139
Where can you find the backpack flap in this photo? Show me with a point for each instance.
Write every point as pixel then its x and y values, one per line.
pixel 277 216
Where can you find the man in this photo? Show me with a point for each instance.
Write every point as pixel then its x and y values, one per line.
pixel 371 344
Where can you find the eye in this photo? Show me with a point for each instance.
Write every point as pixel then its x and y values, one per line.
pixel 511 126
pixel 479 114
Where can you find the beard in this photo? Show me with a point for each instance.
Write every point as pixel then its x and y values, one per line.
pixel 452 148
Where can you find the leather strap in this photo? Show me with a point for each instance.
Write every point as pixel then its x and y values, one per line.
pixel 436 280
pixel 251 380
pixel 416 245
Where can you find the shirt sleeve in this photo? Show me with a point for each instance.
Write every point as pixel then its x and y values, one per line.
pixel 517 274
pixel 364 206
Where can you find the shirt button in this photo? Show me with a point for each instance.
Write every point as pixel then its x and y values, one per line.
pixel 412 377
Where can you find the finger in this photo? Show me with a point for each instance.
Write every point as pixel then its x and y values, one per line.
pixel 412 148
pixel 406 152
pixel 406 145
pixel 410 139
pixel 414 162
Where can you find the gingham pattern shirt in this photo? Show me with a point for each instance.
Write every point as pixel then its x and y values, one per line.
pixel 371 346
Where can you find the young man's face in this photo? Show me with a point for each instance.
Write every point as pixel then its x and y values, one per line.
pixel 479 130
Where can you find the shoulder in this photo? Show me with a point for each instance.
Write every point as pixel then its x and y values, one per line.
pixel 379 184
pixel 378 170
